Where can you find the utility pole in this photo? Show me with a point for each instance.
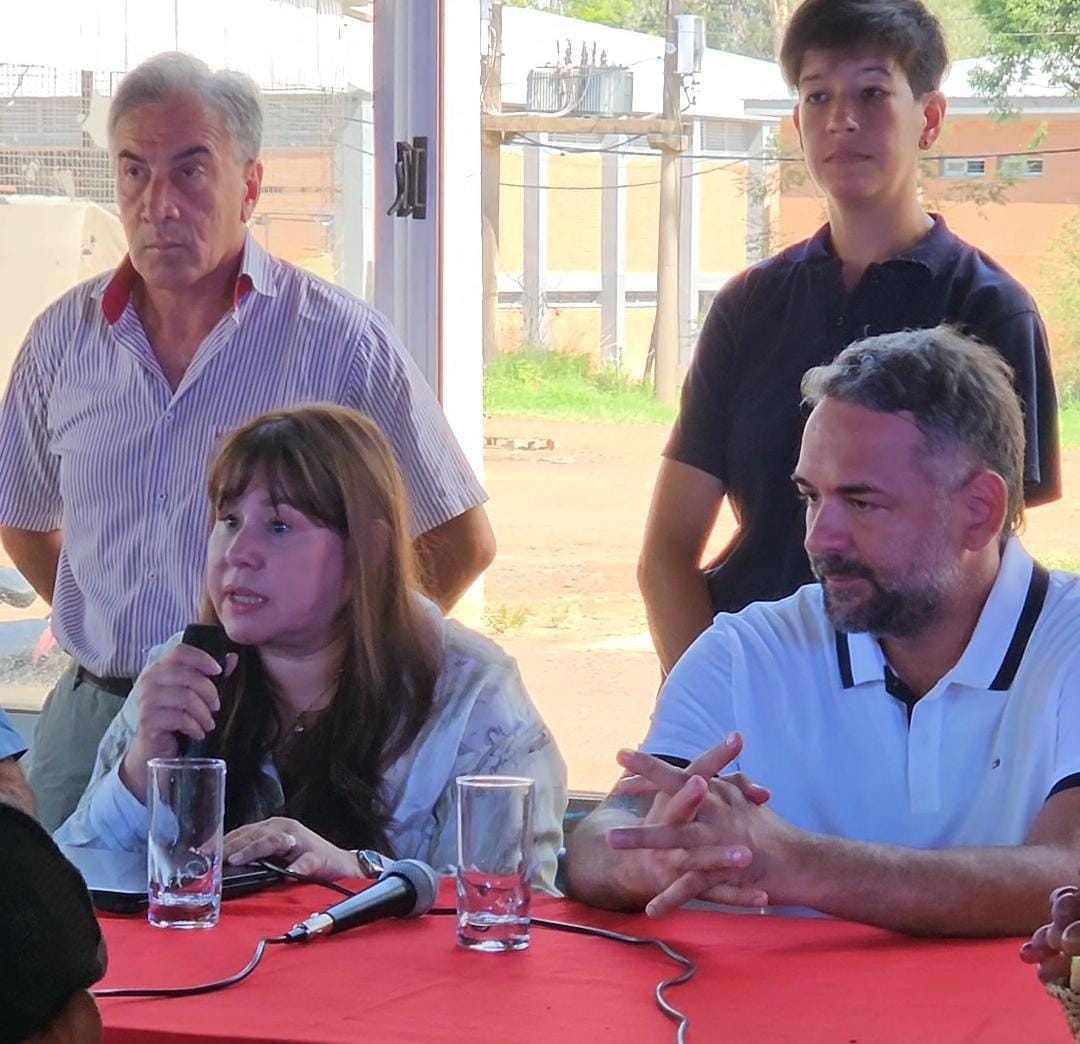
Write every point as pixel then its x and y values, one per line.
pixel 490 175
pixel 666 324
pixel 664 133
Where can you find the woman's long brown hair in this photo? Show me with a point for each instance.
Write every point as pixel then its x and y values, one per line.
pixel 334 465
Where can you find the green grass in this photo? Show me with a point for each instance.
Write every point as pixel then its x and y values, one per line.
pixel 503 617
pixel 568 386
pixel 1054 560
pixel 1069 418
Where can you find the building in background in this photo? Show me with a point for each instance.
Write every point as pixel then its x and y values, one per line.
pixel 1011 187
pixel 1005 185
pixel 565 196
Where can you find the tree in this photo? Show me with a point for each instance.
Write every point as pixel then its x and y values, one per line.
pixel 751 27
pixel 743 26
pixel 1063 307
pixel 1029 39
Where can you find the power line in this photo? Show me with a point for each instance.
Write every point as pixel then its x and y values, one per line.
pixel 735 160
pixel 632 184
pixel 771 158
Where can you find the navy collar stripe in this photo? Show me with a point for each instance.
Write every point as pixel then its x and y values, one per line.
pixel 843 660
pixel 1036 596
pixel 1029 615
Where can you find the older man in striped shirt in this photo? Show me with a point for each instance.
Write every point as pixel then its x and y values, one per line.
pixel 125 383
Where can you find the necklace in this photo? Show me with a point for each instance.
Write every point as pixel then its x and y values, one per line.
pixel 298 725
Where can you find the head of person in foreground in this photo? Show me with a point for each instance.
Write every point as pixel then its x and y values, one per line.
pixel 51 948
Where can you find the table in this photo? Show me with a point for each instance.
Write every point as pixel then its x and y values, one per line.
pixel 760 979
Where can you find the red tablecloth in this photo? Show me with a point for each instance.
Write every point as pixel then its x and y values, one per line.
pixel 760 979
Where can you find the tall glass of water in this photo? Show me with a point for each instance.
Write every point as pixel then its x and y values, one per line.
pixel 495 833
pixel 186 800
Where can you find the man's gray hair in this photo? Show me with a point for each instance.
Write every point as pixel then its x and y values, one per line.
pixel 959 393
pixel 232 94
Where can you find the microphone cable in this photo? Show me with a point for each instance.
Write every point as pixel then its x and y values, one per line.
pixel 292 875
pixel 680 1018
pixel 192 991
pixel 689 967
pixel 243 973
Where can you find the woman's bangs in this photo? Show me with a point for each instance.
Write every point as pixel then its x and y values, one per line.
pixel 267 458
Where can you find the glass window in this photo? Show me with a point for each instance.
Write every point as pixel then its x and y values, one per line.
pixel 962 167
pixel 59 65
pixel 1021 166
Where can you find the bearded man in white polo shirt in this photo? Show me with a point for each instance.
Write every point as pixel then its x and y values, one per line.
pixel 123 386
pixel 914 716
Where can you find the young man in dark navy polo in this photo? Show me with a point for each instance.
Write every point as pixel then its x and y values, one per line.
pixel 914 715
pixel 867 73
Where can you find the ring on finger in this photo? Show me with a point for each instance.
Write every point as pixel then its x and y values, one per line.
pixel 290 842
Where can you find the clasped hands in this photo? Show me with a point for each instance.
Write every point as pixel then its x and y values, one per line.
pixel 704 837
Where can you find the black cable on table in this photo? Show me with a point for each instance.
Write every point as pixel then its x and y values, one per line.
pixel 192 991
pixel 243 973
pixel 680 1018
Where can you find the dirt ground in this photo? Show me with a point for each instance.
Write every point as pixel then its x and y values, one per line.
pixel 562 596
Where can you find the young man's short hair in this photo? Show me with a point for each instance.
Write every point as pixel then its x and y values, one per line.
pixel 902 29
pixel 50 943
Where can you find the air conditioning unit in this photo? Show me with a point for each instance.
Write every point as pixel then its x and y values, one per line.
pixel 594 90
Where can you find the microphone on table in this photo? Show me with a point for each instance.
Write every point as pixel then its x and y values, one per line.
pixel 211 638
pixel 406 888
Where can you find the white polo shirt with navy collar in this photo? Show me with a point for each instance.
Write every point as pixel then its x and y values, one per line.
pixel 828 729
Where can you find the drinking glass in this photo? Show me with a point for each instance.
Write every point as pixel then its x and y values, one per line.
pixel 494 815
pixel 186 800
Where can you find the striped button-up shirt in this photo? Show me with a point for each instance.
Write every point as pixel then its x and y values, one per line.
pixel 94 441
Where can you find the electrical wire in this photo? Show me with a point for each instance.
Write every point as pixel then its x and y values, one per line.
pixel 625 185
pixel 680 1018
pixel 304 878
pixel 736 160
pixel 193 991
pixel 243 973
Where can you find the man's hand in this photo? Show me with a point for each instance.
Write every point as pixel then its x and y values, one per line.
pixel 1053 946
pixel 700 837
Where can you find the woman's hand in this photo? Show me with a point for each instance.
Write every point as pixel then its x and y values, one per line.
pixel 1054 945
pixel 175 696
pixel 290 842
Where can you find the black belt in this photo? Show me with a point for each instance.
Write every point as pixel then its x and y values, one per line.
pixel 117 686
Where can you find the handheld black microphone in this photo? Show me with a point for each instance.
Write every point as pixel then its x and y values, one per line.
pixel 211 638
pixel 406 888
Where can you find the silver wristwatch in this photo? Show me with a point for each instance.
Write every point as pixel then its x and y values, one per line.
pixel 371 863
